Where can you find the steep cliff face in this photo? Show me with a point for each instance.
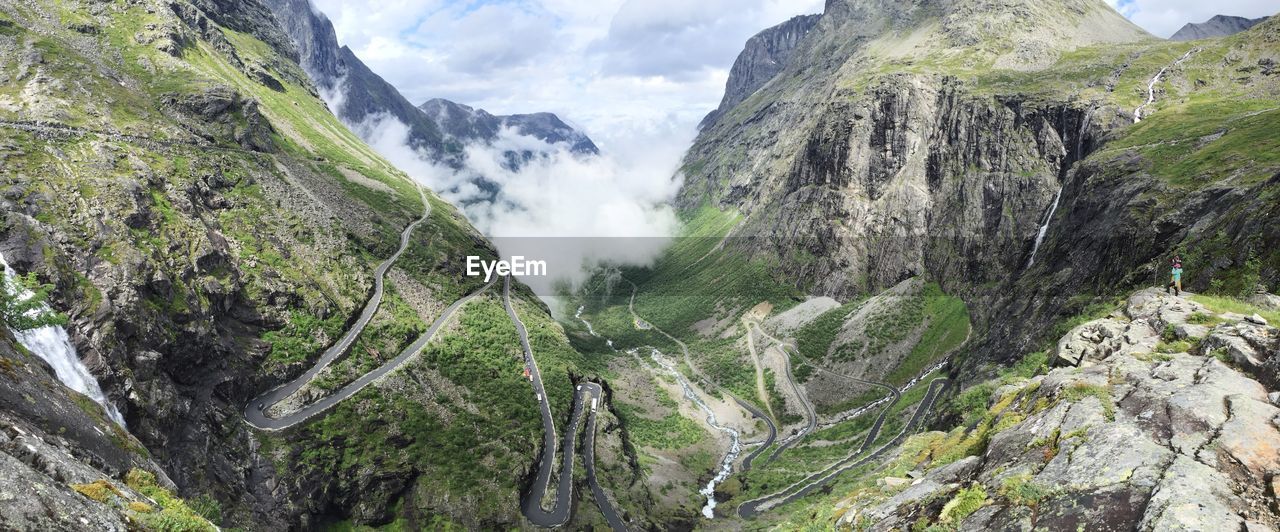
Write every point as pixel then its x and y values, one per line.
pixel 764 56
pixel 1218 26
pixel 996 151
pixel 360 94
pixel 210 227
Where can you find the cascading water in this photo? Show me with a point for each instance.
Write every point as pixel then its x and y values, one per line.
pixel 1044 227
pixel 1057 199
pixel 584 321
pixel 54 346
pixel 726 465
pixel 591 329
pixel 1151 87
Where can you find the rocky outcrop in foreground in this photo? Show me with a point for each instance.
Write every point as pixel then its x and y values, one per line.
pixel 66 466
pixel 1165 425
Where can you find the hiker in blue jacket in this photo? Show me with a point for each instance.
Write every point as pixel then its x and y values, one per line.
pixel 1175 279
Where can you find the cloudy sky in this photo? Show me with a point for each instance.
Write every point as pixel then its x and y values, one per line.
pixel 620 69
pixel 617 68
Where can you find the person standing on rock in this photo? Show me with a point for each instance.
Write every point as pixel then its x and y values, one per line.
pixel 1175 280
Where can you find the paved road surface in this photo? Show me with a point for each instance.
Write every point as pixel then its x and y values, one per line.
pixel 816 481
pixel 531 506
pixel 255 411
pixel 875 429
pixel 589 458
pixel 811 413
pixel 710 386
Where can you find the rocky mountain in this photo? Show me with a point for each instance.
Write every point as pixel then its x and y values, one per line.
pixel 466 124
pixel 1037 161
pixel 764 56
pixel 438 128
pixel 358 94
pixel 904 139
pixel 901 216
pixel 210 228
pixel 1218 26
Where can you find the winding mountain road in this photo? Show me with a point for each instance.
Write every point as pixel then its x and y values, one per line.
pixel 531 505
pixel 58 129
pixel 875 428
pixel 761 392
pixel 255 413
pixel 710 385
pixel 811 413
pixel 817 480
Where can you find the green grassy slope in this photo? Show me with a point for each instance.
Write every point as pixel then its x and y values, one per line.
pixel 192 197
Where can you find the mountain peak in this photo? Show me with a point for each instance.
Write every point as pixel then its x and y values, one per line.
pixel 1016 34
pixel 1004 34
pixel 465 123
pixel 764 57
pixel 1217 26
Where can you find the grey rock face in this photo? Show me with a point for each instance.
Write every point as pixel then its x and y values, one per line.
pixel 314 36
pixel 549 128
pixel 461 121
pixel 51 439
pixel 1130 441
pixel 1267 301
pixel 763 58
pixel 856 167
pixel 880 185
pixel 1218 26
pixel 465 124
pixel 364 94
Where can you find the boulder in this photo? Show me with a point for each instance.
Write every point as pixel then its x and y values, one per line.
pixel 1265 300
pixel 895 482
pixel 1236 346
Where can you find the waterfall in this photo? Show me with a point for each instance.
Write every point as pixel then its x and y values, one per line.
pixel 1151 87
pixel 726 465
pixel 1044 227
pixel 1057 199
pixel 584 321
pixel 54 346
pixel 1084 130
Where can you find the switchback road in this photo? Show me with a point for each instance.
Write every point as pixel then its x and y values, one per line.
pixel 894 394
pixel 816 481
pixel 589 396
pixel 256 411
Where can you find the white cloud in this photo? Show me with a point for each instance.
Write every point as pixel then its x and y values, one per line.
pixel 1164 17
pixel 603 64
pixel 565 209
pixel 635 75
